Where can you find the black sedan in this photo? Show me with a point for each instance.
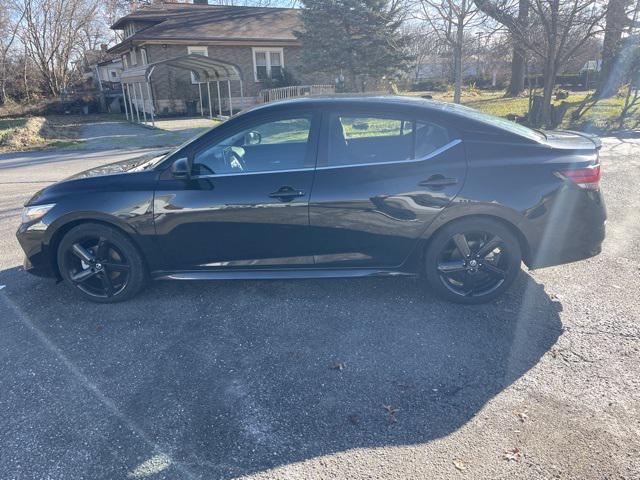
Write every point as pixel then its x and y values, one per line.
pixel 328 187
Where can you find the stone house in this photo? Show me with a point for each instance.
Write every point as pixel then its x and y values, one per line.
pixel 259 42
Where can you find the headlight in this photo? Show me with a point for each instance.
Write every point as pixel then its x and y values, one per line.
pixel 35 212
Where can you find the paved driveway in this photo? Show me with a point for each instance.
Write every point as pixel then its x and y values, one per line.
pixel 110 135
pixel 235 379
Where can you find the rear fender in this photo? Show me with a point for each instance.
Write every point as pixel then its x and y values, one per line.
pixel 460 209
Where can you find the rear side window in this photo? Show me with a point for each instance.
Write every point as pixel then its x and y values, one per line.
pixel 362 139
pixel 369 139
pixel 429 138
pixel 359 127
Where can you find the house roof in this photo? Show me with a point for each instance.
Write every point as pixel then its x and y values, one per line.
pixel 170 22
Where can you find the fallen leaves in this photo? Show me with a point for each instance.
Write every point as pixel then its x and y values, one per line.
pixel 460 465
pixel 512 455
pixel 392 413
pixel 522 416
pixel 338 366
pixel 567 354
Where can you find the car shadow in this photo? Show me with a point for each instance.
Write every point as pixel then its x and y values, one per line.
pixel 228 378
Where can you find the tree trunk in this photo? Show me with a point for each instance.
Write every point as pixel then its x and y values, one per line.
pixel 27 91
pixel 516 25
pixel 518 59
pixel 353 79
pixel 457 63
pixel 547 93
pixel 3 83
pixel 518 64
pixel 610 76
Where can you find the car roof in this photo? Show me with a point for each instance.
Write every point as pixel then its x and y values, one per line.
pixel 351 100
pixel 458 116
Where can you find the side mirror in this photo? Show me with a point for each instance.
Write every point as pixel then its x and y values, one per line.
pixel 180 168
pixel 252 138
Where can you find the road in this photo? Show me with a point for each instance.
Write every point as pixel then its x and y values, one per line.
pixel 290 379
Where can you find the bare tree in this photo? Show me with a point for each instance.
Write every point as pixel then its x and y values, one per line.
pixel 50 33
pixel 555 31
pixel 617 21
pixel 514 15
pixel 422 43
pixel 565 26
pixel 9 22
pixel 450 20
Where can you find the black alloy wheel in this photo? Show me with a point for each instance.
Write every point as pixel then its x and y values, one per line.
pixel 473 261
pixel 100 263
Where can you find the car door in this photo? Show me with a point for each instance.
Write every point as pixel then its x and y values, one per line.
pixel 245 204
pixel 381 180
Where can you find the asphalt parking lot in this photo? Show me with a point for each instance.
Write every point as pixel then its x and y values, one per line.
pixel 371 378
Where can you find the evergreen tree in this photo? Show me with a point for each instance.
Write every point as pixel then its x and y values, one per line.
pixel 359 39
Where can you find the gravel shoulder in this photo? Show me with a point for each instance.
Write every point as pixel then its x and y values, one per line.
pixel 291 379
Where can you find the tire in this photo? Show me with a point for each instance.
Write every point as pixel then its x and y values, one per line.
pixel 100 263
pixel 476 273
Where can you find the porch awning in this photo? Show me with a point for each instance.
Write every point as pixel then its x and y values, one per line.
pixel 205 69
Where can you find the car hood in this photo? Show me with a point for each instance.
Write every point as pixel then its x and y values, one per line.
pixel 136 164
pixel 568 139
pixel 91 179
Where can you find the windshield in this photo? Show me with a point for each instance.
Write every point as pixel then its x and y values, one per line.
pixel 499 122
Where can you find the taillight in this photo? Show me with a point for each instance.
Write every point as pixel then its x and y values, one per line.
pixel 588 178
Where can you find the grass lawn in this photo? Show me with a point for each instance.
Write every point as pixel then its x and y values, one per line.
pixel 7 126
pixel 27 133
pixel 602 117
pixel 36 132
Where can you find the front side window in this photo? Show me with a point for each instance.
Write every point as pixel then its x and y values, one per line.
pixel 267 63
pixel 270 145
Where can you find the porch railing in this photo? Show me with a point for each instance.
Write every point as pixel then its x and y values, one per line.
pixel 271 94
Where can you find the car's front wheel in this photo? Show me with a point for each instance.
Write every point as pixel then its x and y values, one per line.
pixel 101 263
pixel 472 260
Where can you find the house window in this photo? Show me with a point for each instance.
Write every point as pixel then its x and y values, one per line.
pixel 267 63
pixel 197 51
pixel 113 74
pixel 125 62
pixel 143 53
pixel 134 57
pixel 129 30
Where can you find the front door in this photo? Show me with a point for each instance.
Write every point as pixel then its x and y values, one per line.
pixel 246 203
pixel 380 181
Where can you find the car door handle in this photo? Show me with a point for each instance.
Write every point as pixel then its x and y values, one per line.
pixel 286 193
pixel 438 181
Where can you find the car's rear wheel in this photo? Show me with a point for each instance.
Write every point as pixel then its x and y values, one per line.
pixel 101 263
pixel 472 260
